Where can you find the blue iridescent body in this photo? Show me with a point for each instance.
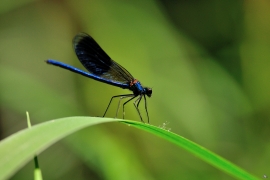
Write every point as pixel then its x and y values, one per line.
pixel 102 68
pixel 87 74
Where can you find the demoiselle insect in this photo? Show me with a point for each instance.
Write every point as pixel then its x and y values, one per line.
pixel 102 68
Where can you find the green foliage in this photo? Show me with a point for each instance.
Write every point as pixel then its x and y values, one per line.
pixel 19 148
pixel 207 62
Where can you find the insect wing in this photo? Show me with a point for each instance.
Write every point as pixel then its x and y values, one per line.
pixel 96 61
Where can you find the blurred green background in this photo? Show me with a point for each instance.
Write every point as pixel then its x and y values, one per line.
pixel 207 62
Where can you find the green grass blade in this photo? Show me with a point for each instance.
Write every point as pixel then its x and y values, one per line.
pixel 37 170
pixel 19 148
pixel 196 150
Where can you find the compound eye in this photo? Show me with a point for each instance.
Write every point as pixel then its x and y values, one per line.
pixel 148 92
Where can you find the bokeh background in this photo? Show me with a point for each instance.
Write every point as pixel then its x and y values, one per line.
pixel 207 62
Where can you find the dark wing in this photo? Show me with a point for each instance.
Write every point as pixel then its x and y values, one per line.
pixel 97 62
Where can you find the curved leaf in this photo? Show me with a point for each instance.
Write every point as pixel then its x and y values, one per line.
pixel 19 148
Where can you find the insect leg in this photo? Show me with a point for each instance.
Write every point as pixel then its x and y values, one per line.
pixel 136 104
pixel 145 103
pixel 120 99
pixel 125 104
pixel 112 99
